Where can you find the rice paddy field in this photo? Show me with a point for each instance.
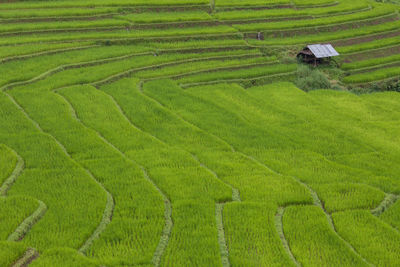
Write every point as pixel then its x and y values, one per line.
pixel 164 133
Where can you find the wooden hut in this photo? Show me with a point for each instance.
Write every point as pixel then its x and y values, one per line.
pixel 317 53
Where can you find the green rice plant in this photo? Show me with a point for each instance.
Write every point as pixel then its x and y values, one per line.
pixel 65 25
pixel 135 200
pixel 171 170
pixel 250 2
pixel 80 100
pixel 10 252
pixel 373 44
pixel 250 179
pixel 269 98
pixel 375 240
pixel 392 215
pixel 343 6
pixel 316 22
pixel 289 190
pixel 385 105
pixel 62 12
pixel 149 116
pixel 198 44
pixel 13 211
pixel 8 163
pixel 380 164
pixel 63 257
pixel 38 65
pixel 346 196
pixel 370 62
pixel 162 17
pixel 141 173
pixel 194 223
pixel 202 66
pixel 12 51
pixel 251 235
pixel 70 217
pixel 371 76
pixel 232 168
pixel 106 69
pixel 311 2
pixel 120 34
pixel 94 3
pixel 313 241
pixel 323 37
pixel 245 73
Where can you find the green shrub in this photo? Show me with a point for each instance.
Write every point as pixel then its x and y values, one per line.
pixel 309 79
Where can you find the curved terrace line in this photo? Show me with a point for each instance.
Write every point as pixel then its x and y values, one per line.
pixel 30 255
pixel 351 24
pixel 355 21
pixel 314 195
pixel 18 169
pixel 28 223
pixel 317 202
pixel 47 52
pixel 239 80
pixel 218 206
pixel 69 66
pixel 109 208
pixel 219 217
pixel 166 24
pixel 279 229
pixel 231 67
pixel 387 202
pixel 120 75
pixel 207 36
pixel 167 203
pixel 129 72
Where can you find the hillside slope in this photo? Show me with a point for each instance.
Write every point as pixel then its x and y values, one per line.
pixel 162 133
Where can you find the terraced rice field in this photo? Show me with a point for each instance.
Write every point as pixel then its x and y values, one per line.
pixel 162 133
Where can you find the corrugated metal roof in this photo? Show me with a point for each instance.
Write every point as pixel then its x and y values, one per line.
pixel 321 51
